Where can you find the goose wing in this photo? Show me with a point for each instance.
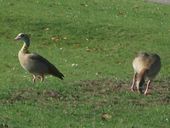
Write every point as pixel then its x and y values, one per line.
pixel 51 68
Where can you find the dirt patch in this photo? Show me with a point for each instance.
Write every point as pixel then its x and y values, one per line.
pixel 104 86
pixel 110 85
pixel 96 92
pixel 160 1
pixel 30 94
pixel 120 90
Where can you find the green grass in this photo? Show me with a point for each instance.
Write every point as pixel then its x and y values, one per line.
pixel 102 37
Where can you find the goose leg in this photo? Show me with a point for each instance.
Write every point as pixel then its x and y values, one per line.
pixel 147 87
pixel 33 79
pixel 133 83
pixel 42 78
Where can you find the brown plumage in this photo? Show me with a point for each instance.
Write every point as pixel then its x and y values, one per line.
pixel 146 66
pixel 37 65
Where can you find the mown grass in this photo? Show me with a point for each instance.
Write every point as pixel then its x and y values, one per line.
pixel 102 37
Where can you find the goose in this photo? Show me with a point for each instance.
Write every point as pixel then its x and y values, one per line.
pixel 146 66
pixel 35 64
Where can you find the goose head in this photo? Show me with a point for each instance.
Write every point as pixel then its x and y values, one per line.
pixel 24 37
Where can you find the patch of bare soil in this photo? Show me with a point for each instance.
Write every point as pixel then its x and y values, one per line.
pixel 98 92
pixel 159 92
pixel 30 94
pixel 104 86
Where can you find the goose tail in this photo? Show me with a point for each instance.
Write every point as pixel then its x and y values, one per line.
pixel 55 72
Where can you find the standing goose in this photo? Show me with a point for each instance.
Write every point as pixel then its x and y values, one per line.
pixel 146 66
pixel 37 65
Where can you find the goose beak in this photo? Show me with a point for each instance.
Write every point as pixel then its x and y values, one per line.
pixel 17 38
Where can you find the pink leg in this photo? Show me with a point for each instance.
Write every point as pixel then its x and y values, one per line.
pixel 133 83
pixel 34 77
pixel 42 78
pixel 147 87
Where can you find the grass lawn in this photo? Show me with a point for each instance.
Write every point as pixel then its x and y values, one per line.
pixel 100 37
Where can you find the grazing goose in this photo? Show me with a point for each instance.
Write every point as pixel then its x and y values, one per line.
pixel 34 63
pixel 146 66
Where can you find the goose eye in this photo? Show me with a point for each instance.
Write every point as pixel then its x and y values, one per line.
pixel 22 35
